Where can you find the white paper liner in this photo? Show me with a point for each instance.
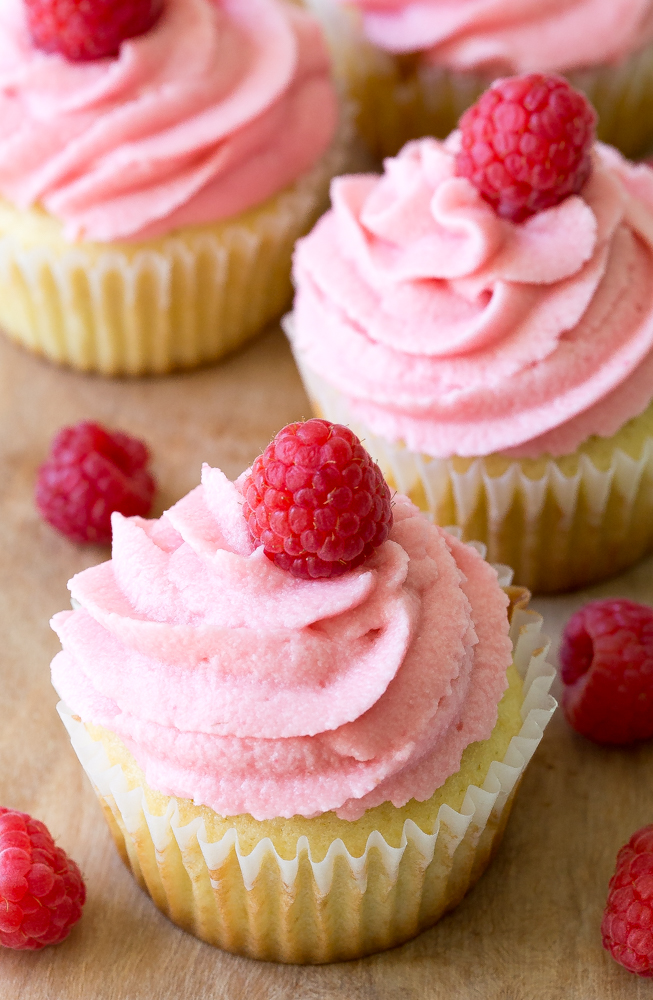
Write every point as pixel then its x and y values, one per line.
pixel 589 493
pixel 396 104
pixel 481 813
pixel 182 300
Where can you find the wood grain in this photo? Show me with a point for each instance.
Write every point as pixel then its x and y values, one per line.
pixel 530 929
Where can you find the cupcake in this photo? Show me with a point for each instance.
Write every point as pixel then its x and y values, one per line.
pixel 305 740
pixel 150 200
pixel 500 371
pixel 413 66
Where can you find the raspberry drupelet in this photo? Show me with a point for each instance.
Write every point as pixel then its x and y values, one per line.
pixel 526 144
pixel 316 500
pixel 85 31
pixel 42 891
pixel 606 660
pixel 627 927
pixel 90 473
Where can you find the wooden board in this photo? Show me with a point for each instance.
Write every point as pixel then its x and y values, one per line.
pixel 530 929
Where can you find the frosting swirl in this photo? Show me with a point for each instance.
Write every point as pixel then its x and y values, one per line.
pixel 219 106
pixel 512 35
pixel 251 691
pixel 461 333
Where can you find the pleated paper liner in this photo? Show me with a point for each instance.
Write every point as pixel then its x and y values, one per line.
pixel 331 904
pixel 150 307
pixel 402 97
pixel 561 523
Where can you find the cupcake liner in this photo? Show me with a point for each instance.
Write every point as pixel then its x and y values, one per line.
pixel 623 97
pixel 561 523
pixel 402 97
pixel 265 906
pixel 150 307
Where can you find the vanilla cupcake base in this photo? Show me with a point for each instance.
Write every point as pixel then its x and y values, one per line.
pixel 295 891
pixel 561 523
pixel 402 97
pixel 150 307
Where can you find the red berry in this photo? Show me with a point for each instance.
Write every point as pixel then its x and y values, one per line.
pixel 627 926
pixel 89 473
pixel 526 144
pixel 607 668
pixel 88 29
pixel 42 891
pixel 316 501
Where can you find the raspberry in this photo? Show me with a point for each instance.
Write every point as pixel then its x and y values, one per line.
pixel 526 144
pixel 82 30
pixel 89 473
pixel 42 891
pixel 627 926
pixel 607 668
pixel 316 500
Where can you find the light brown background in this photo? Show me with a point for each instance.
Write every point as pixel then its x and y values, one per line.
pixel 529 931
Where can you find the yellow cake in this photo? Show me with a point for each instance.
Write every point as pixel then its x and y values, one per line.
pixel 272 780
pixel 499 371
pixel 406 95
pixel 150 201
pixel 561 522
pixel 176 301
pixel 266 921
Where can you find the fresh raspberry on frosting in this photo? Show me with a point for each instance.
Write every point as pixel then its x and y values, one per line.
pixel 219 107
pixel 253 691
pixel 90 473
pixel 316 500
pixel 42 891
pixel 607 668
pixel 526 144
pixel 627 926
pixel 85 31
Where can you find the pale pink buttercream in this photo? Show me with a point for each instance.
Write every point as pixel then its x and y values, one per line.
pixel 240 687
pixel 515 36
pixel 460 333
pixel 219 106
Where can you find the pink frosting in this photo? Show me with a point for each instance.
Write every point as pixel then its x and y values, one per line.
pixel 460 333
pixel 515 36
pixel 240 687
pixel 219 106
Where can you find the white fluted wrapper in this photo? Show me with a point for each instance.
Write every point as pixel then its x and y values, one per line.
pixel 174 302
pixel 301 910
pixel 560 523
pixel 402 97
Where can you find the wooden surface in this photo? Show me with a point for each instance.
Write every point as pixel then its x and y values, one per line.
pixel 529 931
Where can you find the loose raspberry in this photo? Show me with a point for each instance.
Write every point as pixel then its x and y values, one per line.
pixel 526 144
pixel 607 668
pixel 627 925
pixel 82 30
pixel 42 891
pixel 316 501
pixel 89 473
